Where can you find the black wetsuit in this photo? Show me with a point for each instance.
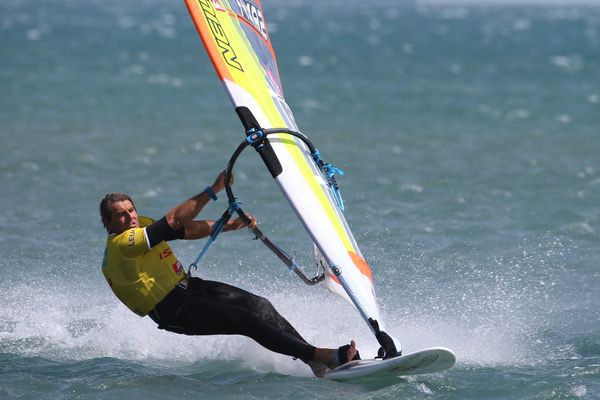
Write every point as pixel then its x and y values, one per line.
pixel 201 307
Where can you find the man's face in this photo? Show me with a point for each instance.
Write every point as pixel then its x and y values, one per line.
pixel 123 216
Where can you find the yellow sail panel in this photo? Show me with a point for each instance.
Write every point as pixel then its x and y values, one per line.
pixel 320 192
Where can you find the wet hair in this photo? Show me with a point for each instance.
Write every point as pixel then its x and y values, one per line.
pixel 109 200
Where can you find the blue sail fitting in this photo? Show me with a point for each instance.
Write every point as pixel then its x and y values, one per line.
pixel 329 171
pixel 255 137
pixel 317 157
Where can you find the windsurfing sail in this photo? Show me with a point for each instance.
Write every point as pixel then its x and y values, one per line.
pixel 237 41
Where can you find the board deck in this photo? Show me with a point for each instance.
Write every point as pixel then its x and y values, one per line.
pixel 426 361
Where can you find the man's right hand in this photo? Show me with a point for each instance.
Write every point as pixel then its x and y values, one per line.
pixel 238 223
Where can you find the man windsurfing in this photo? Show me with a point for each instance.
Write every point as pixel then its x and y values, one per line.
pixel 144 273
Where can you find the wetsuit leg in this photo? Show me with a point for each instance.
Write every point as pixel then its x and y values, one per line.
pixel 215 308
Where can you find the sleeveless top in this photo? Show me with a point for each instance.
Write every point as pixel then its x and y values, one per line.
pixel 138 275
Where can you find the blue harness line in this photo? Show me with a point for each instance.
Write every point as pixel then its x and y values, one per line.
pixel 216 230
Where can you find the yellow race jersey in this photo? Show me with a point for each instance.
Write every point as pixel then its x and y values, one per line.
pixel 140 276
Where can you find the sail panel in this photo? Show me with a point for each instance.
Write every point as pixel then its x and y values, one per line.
pixel 237 41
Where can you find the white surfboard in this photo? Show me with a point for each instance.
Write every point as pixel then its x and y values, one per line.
pixel 426 361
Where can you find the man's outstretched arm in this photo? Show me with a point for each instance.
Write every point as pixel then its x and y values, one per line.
pixel 185 212
pixel 201 229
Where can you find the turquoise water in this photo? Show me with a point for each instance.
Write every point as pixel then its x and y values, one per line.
pixel 469 137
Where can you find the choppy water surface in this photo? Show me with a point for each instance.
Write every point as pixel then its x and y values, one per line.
pixel 468 134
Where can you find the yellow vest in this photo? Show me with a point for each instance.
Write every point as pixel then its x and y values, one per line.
pixel 140 276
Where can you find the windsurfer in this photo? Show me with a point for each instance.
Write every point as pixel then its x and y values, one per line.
pixel 146 276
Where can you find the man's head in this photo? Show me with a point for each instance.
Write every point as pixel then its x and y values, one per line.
pixel 118 213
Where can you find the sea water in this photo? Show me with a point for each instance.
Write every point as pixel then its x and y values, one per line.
pixel 469 137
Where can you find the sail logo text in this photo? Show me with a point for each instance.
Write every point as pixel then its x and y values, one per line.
pixel 219 34
pixel 253 15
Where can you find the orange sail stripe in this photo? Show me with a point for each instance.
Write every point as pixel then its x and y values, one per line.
pixel 362 265
pixel 205 18
pixel 332 276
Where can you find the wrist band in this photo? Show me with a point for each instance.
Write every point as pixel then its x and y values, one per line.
pixel 208 190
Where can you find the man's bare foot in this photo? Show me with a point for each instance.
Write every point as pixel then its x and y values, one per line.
pixel 351 352
pixel 332 358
